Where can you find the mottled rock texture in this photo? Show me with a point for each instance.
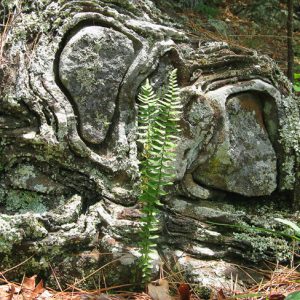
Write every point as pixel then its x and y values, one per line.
pixel 70 76
pixel 91 67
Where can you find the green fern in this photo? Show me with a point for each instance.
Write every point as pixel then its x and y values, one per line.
pixel 158 130
pixel 297 82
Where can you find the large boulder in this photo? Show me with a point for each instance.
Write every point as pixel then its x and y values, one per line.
pixel 69 154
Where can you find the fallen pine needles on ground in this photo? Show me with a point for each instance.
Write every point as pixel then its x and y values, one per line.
pixel 280 283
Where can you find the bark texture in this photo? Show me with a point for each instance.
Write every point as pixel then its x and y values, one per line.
pixel 69 156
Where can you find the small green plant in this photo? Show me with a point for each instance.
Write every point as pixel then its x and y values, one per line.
pixel 210 10
pixel 293 296
pixel 292 225
pixel 297 82
pixel 158 128
pixel 207 8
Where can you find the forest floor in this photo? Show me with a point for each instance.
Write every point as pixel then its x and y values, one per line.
pixel 243 23
pixel 221 23
pixel 280 283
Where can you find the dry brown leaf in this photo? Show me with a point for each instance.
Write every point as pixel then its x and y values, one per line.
pixel 159 290
pixel 11 292
pixel 276 297
pixel 29 283
pixel 29 290
pixel 184 291
pixel 220 295
pixel 39 289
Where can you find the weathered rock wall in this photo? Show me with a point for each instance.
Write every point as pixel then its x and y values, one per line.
pixel 69 157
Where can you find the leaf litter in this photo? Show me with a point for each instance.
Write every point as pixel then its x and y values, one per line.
pixel 280 283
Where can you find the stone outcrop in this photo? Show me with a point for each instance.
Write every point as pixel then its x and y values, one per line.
pixel 69 156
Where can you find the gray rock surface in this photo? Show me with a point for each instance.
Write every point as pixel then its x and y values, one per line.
pixel 244 160
pixel 69 175
pixel 91 67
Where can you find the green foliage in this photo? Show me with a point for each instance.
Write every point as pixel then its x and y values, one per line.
pixel 158 129
pixel 208 8
pixel 291 224
pixel 293 296
pixel 297 82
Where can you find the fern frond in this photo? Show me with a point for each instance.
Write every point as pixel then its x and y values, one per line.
pixel 158 131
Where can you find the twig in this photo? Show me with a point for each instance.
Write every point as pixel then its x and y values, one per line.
pixel 96 271
pixel 18 265
pixel 55 277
